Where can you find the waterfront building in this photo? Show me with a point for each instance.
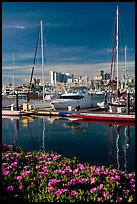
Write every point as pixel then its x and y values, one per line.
pixel 58 77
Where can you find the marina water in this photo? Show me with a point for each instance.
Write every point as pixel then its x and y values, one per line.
pixel 97 144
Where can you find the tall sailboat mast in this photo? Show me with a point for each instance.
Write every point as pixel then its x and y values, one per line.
pixel 125 67
pixel 117 49
pixel 13 61
pixel 42 52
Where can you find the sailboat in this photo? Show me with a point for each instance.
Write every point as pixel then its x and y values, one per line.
pixel 44 98
pixel 121 103
pixel 118 104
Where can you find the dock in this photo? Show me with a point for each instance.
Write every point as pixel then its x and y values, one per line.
pixel 78 116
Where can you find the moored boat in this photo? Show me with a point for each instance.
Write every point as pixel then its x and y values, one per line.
pixel 75 98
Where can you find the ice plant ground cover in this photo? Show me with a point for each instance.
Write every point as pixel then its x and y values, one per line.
pixel 50 177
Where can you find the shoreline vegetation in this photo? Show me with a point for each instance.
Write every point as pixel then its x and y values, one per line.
pixel 40 176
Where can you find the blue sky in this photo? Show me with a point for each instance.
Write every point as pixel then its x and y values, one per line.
pixel 78 36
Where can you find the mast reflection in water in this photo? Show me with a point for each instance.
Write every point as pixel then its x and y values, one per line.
pixel 98 144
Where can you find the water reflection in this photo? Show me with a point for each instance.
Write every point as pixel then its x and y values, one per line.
pixel 41 133
pixel 126 144
pixel 76 126
pixel 114 149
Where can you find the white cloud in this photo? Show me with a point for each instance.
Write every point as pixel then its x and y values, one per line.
pixel 16 27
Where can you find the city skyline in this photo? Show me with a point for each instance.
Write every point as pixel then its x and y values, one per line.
pixel 78 37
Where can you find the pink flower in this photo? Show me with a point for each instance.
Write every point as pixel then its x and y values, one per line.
pixel 37 167
pixel 92 180
pixel 93 190
pixel 55 158
pixel 119 199
pixel 20 187
pixel 49 162
pixel 24 174
pixel 58 192
pixel 132 181
pixel 75 171
pixel 126 191
pixel 43 155
pixel 4 164
pixel 100 186
pixel 67 168
pixel 13 164
pixel 64 190
pixel 5 173
pixel 105 194
pixel 53 181
pixel 73 193
pixel 79 164
pixel 51 188
pixel 10 189
pixel 42 173
pixel 25 167
pixel 82 180
pixel 99 199
pixel 117 178
pixel 19 178
pixel 82 167
pixel 112 178
pixel 44 168
pixel 46 171
pixel 133 186
pixel 97 170
pixel 90 175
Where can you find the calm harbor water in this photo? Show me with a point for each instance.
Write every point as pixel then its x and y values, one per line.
pixel 98 144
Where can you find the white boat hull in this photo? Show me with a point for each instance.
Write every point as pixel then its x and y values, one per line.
pixel 63 104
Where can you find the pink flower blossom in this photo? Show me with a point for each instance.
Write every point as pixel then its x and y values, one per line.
pixel 19 178
pixel 82 180
pixel 44 168
pixel 119 199
pixel 4 164
pixel 117 178
pixel 5 173
pixel 99 199
pixel 132 181
pixel 24 174
pixel 20 187
pixel 82 167
pixel 10 189
pixel 73 193
pixel 37 167
pixel 133 186
pixel 92 180
pixel 55 158
pixel 51 188
pixel 67 168
pixel 105 194
pixel 13 164
pixel 93 190
pixel 58 192
pixel 75 171
pixel 49 162
pixel 41 172
pixel 112 178
pixel 126 191
pixel 25 167
pixel 100 186
pixel 97 170
pixel 53 181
